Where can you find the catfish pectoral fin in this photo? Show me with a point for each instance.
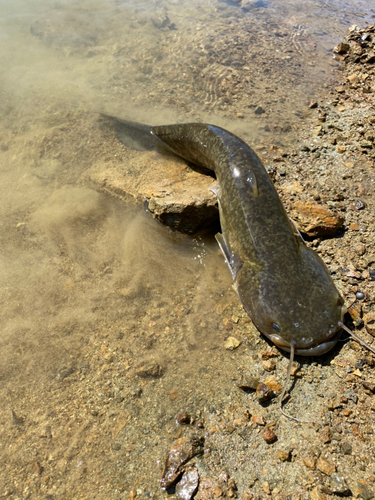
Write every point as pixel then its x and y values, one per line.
pixel 233 261
pixel 214 189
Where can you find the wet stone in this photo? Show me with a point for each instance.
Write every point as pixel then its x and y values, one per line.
pixel 353 78
pixel 179 453
pixel 342 48
pixel 338 485
pixel 248 383
pixel 264 393
pixel 160 22
pixel 188 485
pixel 175 194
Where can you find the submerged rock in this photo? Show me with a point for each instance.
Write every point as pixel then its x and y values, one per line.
pixel 222 487
pixel 187 487
pixel 179 453
pixel 175 194
pixel 149 370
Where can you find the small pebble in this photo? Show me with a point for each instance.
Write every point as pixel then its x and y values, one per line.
pixel 346 448
pixel 317 494
pixel 183 418
pixel 16 420
pixel 248 382
pixel 309 462
pixel 268 435
pixel 269 365
pixel 360 295
pixel 259 110
pixel 38 468
pixel 271 352
pixel 359 205
pixel 264 393
pixel 231 343
pixel 325 435
pixel 258 420
pixel 283 455
pixel 266 488
pixel 326 467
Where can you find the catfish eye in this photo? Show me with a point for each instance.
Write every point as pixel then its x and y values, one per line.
pixel 276 327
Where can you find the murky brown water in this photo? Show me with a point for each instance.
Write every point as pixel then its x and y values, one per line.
pixel 93 289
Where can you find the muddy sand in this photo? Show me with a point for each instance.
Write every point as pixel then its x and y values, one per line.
pixel 124 339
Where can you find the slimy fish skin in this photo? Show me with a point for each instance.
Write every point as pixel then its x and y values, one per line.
pixel 283 285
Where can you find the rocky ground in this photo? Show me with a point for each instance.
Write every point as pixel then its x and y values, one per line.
pixel 131 370
pixel 328 185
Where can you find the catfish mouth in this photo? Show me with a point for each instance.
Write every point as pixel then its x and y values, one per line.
pixel 316 350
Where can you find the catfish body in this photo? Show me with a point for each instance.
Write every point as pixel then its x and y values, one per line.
pixel 283 285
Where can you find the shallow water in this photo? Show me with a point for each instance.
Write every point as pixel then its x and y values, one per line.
pixel 92 288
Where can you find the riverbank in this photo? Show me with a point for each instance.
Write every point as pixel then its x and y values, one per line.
pixel 122 337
